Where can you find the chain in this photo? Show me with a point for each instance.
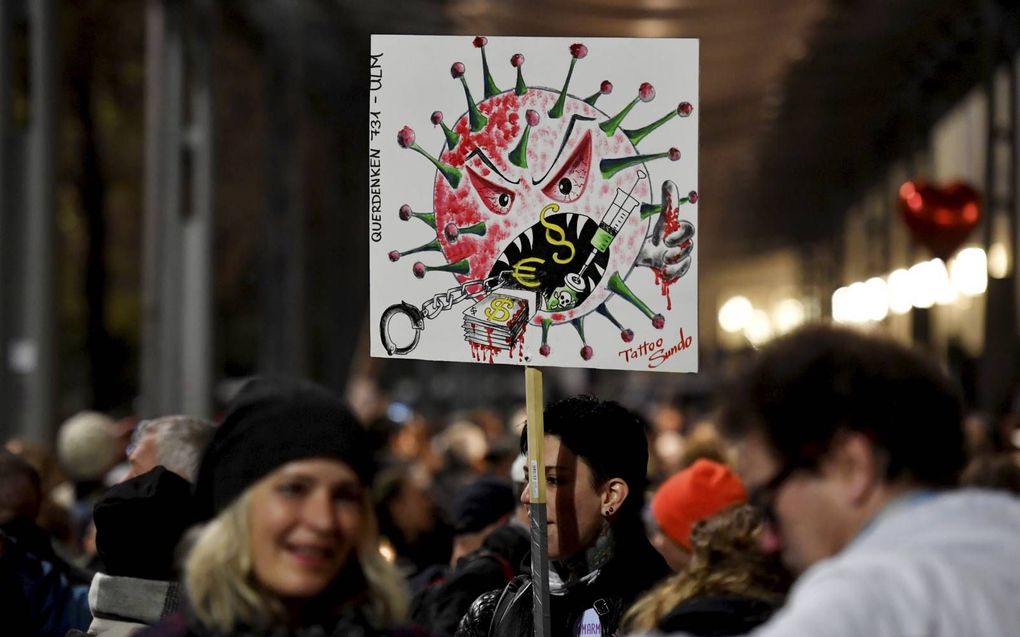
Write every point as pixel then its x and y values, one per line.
pixel 446 300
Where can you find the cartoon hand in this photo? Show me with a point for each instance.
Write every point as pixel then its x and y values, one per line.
pixel 668 248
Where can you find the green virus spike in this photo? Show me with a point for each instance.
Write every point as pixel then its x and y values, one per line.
pixel 490 86
pixel 605 89
pixel 452 138
pixel 477 229
pixel 650 209
pixel 617 285
pixel 428 217
pixel 610 125
pixel 452 174
pixel 577 51
pixel 545 349
pixel 586 350
pixel 478 121
pixel 646 93
pixel 517 61
pixel 405 139
pixel 635 136
pixel 610 167
pixel 578 324
pixel 458 267
pixel 519 155
pixel 626 334
pixel 452 231
pixel 431 246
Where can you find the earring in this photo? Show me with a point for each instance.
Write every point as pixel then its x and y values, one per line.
pixel 609 511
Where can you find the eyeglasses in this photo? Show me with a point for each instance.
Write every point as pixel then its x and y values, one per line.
pixel 763 497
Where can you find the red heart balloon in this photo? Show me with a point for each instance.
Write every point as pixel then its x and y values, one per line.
pixel 940 218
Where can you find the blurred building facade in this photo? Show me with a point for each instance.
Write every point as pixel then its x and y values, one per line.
pixel 182 191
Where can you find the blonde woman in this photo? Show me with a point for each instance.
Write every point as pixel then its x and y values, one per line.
pixel 729 587
pixel 290 547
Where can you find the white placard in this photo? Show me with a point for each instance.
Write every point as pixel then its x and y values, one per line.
pixel 534 201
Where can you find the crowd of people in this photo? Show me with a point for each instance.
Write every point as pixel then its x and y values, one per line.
pixel 835 489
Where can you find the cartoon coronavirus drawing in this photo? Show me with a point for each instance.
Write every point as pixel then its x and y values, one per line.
pixel 541 192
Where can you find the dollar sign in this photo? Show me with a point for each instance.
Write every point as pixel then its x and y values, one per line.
pixel 551 228
pixel 499 309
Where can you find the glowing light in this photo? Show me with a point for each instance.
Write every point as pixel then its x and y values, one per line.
pixel 858 303
pixel 735 314
pixel 387 551
pixel 877 295
pixel 969 272
pixel 840 309
pixel 898 287
pixel 922 286
pixel 759 328
pixel 945 293
pixel 998 261
pixel 789 313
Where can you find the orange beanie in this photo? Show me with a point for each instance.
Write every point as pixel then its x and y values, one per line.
pixel 700 491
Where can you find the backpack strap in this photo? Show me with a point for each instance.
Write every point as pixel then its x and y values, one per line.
pixel 518 588
pixel 504 564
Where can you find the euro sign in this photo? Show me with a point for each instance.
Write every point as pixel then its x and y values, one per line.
pixel 550 230
pixel 499 309
pixel 525 274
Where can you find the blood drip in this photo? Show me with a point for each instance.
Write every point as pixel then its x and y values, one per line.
pixel 671 224
pixel 486 353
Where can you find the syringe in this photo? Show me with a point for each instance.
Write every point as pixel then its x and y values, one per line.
pixel 610 225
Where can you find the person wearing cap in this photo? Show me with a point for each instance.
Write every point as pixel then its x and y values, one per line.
pixel 698 492
pixel 480 508
pixel 728 586
pixel 596 455
pixel 289 544
pixel 139 523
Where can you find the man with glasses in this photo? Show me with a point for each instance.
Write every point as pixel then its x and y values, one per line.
pixel 851 445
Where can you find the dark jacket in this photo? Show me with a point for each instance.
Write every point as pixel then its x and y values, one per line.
pixel 38 598
pixel 33 539
pixel 717 616
pixel 440 607
pixel 591 608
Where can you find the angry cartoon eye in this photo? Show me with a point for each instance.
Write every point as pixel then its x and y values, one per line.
pixel 497 199
pixel 569 183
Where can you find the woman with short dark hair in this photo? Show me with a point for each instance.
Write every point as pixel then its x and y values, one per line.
pixel 596 456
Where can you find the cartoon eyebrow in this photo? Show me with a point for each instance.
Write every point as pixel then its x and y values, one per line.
pixel 488 162
pixel 563 144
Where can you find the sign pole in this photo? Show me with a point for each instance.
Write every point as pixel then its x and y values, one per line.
pixel 537 510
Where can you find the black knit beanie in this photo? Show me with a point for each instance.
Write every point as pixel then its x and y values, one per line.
pixel 271 422
pixel 139 523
